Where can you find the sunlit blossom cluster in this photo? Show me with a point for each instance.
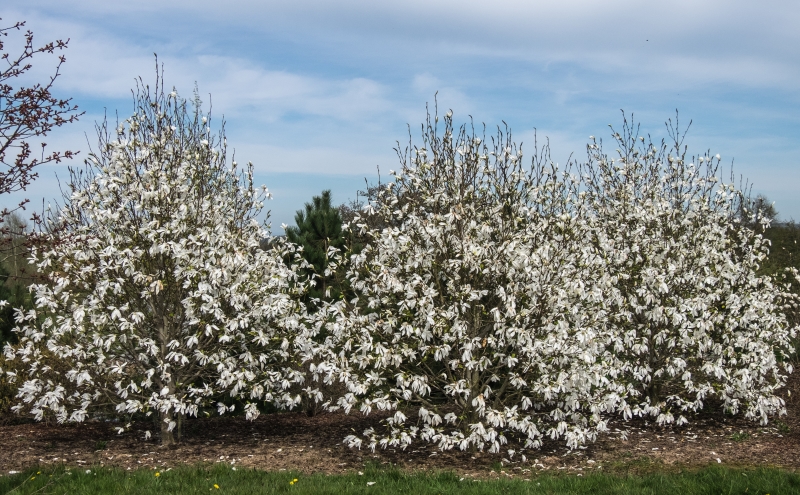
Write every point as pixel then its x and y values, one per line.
pixel 160 298
pixel 498 301
pixel 492 301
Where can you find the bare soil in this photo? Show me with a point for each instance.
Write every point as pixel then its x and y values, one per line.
pixel 296 442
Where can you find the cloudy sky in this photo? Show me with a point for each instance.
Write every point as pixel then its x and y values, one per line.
pixel 316 94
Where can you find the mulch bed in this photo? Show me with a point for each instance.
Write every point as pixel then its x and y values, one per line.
pixel 296 442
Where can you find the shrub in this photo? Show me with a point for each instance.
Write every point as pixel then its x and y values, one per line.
pixel 691 317
pixel 475 302
pixel 494 300
pixel 159 297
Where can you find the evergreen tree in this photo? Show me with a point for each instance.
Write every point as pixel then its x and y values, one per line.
pixel 7 311
pixel 319 227
pixel 17 296
pixel 15 273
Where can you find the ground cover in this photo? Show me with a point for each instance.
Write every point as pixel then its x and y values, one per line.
pixel 376 480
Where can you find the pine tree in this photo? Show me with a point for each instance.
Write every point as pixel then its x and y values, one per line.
pixel 319 227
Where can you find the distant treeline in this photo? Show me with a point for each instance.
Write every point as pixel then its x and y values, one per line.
pixel 785 249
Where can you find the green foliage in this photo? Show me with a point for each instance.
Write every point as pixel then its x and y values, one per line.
pixel 784 251
pixel 7 311
pixel 753 211
pixel 319 228
pixel 15 274
pixel 17 295
pixel 741 436
pixel 783 264
pixel 221 479
pixel 7 392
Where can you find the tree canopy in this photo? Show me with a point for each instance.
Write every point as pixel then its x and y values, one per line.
pixel 159 300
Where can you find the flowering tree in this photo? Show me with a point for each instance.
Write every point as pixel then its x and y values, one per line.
pixel 691 318
pixel 27 113
pixel 476 303
pixel 493 300
pixel 159 299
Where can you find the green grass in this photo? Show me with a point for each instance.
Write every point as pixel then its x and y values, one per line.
pixel 740 437
pixel 193 480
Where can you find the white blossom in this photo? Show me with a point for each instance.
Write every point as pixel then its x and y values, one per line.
pixel 159 297
pixel 492 301
pixel 477 301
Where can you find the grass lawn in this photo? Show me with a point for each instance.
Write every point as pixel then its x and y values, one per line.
pixel 222 479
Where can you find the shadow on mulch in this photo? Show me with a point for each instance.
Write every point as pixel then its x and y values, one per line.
pixel 294 441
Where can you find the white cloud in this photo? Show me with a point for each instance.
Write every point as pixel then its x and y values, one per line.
pixel 241 87
pixel 268 158
pixel 734 41
pixel 327 87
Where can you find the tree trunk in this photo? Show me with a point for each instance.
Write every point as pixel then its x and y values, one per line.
pixel 179 428
pixel 167 437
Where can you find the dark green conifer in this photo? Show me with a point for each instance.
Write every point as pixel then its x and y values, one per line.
pixel 319 227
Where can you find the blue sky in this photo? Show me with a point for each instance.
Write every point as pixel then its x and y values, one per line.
pixel 316 93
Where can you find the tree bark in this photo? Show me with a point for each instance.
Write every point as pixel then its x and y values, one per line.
pixel 167 437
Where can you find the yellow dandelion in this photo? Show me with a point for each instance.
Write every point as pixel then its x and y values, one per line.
pixel 33 478
pixel 216 486
pixel 158 474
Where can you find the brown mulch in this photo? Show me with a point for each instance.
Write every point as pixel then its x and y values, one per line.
pixel 296 442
